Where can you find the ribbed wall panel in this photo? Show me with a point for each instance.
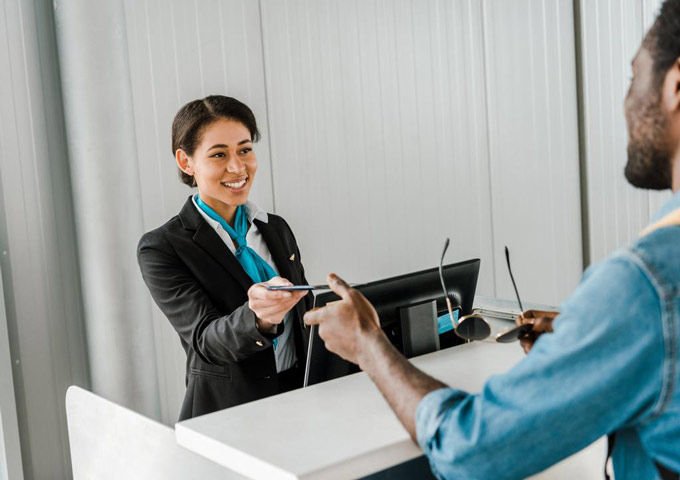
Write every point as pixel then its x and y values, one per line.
pixel 611 33
pixel 381 134
pixel 378 131
pixel 533 138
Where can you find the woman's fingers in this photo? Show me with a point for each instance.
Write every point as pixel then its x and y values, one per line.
pixel 263 301
pixel 272 305
pixel 260 292
pixel 271 309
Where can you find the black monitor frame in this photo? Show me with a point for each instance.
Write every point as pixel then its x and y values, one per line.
pixel 389 296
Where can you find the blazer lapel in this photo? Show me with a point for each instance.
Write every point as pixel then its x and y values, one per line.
pixel 276 248
pixel 281 257
pixel 208 239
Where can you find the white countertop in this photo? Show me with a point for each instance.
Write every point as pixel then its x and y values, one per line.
pixel 337 429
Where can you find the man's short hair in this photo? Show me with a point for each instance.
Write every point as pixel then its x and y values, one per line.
pixel 663 40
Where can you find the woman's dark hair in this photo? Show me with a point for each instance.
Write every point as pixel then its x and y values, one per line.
pixel 193 118
pixel 664 38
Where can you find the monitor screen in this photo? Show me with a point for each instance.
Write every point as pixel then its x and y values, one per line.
pixel 391 297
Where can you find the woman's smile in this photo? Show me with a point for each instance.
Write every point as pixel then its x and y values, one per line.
pixel 236 186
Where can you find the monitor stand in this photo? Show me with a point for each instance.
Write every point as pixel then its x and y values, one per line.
pixel 419 328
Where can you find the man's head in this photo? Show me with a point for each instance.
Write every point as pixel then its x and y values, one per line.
pixel 653 105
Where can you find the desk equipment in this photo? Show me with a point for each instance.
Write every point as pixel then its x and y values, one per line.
pixel 404 305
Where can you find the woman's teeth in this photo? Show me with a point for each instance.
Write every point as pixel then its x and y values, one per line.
pixel 235 185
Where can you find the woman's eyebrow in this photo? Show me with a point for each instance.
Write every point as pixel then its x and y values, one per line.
pixel 218 145
pixel 222 145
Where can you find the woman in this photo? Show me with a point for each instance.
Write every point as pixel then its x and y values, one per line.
pixel 206 267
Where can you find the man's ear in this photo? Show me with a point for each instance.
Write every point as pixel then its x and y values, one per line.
pixel 183 162
pixel 671 89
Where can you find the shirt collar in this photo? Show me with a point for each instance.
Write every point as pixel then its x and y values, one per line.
pixel 254 213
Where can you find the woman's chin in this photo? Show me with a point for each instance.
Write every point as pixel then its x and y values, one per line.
pixel 235 198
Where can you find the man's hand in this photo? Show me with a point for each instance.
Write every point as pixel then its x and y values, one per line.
pixel 348 325
pixel 541 323
pixel 271 306
pixel 351 329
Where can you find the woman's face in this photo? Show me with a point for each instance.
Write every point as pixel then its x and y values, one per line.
pixel 223 165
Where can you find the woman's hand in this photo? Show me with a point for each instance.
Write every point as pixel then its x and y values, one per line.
pixel 271 306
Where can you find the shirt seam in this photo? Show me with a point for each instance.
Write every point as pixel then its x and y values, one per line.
pixel 429 407
pixel 665 294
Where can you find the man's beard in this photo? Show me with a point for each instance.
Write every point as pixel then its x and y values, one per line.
pixel 649 158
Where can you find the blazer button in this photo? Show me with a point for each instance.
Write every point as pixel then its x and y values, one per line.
pixel 258 343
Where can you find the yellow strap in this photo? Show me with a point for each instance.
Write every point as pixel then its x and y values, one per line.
pixel 669 220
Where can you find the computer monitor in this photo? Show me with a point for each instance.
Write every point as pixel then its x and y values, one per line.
pixel 392 297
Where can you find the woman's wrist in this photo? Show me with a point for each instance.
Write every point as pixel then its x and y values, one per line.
pixel 264 326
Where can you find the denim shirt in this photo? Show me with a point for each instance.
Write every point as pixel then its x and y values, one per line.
pixel 611 365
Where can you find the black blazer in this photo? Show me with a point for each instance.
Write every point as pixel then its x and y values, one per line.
pixel 202 289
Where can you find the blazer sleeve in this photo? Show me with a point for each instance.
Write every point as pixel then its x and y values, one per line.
pixel 217 339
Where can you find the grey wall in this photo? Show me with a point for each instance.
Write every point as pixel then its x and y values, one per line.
pixel 98 102
pixel 37 238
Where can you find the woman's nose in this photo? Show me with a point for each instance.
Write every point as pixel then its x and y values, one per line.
pixel 234 164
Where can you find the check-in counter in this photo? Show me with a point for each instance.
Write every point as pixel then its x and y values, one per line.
pixel 345 429
pixel 334 430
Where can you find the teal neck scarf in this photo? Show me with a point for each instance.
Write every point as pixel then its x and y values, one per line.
pixel 254 265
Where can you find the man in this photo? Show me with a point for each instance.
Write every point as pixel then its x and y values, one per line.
pixel 612 363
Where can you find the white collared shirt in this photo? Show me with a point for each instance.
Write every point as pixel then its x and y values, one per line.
pixel 285 348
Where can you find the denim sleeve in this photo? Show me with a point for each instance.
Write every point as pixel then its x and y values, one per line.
pixel 601 369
